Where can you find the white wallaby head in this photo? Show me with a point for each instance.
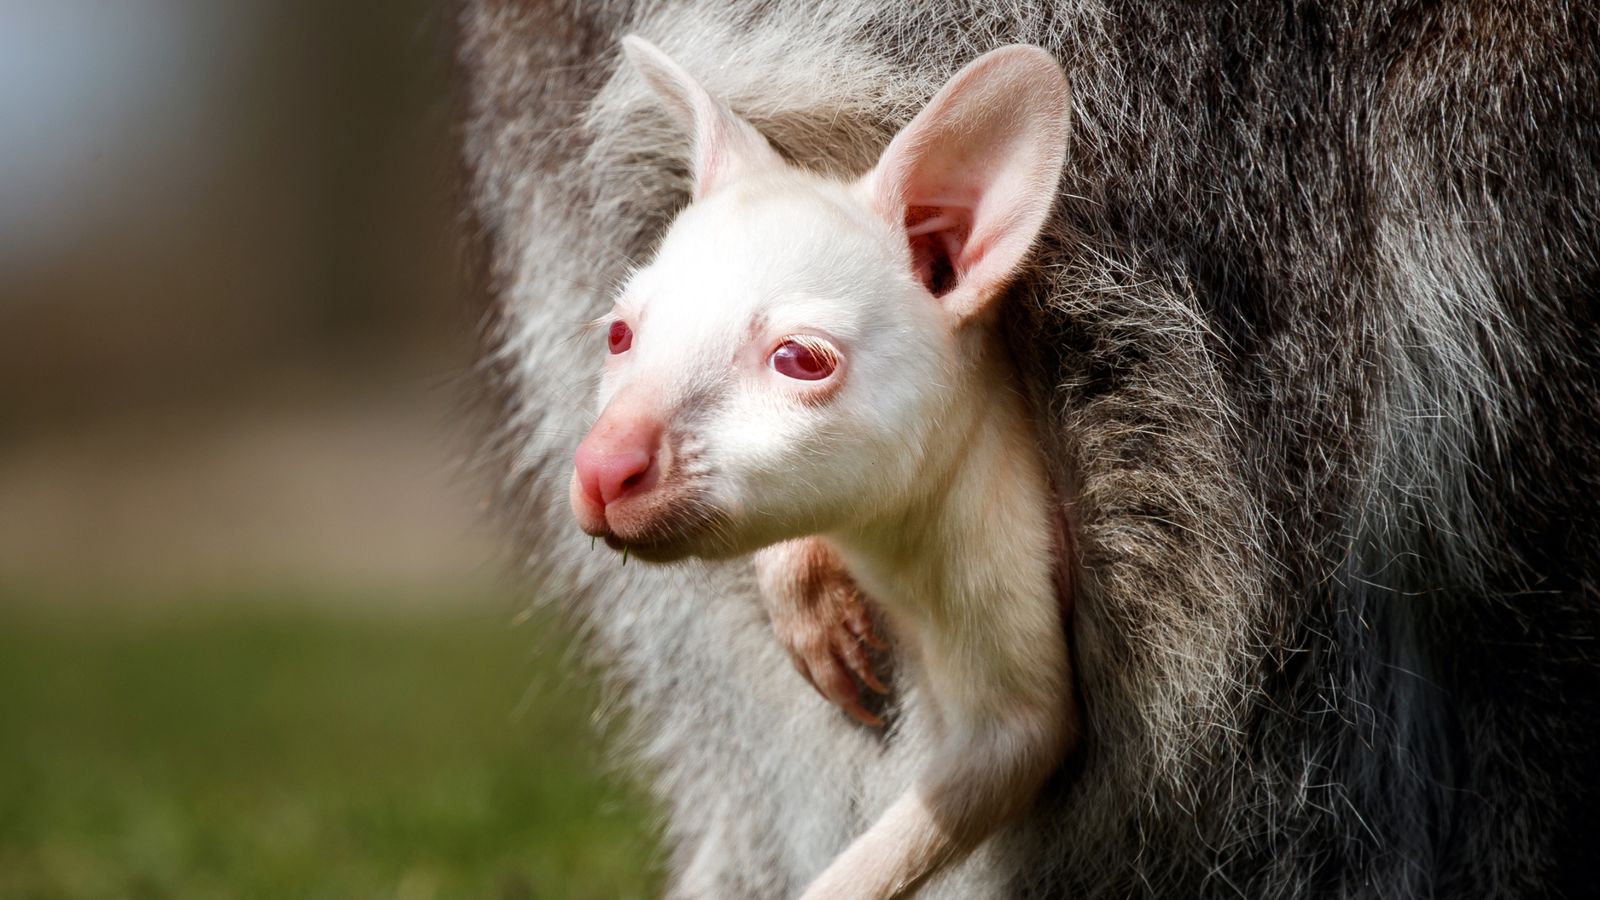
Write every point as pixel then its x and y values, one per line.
pixel 788 361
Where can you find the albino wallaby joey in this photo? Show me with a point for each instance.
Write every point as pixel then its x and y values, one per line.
pixel 813 366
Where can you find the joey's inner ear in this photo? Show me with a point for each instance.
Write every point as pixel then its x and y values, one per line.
pixel 973 177
pixel 724 145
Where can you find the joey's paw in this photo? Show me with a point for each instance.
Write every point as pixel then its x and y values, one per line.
pixel 821 618
pixel 832 650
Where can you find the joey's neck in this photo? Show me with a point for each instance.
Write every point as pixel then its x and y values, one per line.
pixel 980 503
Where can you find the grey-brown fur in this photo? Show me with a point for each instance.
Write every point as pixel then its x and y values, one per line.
pixel 1316 339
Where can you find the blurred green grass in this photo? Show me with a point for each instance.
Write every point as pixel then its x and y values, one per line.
pixel 303 747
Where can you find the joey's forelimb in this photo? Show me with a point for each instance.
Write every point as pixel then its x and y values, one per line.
pixel 821 618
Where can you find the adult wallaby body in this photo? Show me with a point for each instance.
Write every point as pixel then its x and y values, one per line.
pixel 1309 335
pixel 806 356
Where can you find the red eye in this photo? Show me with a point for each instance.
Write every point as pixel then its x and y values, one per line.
pixel 620 338
pixel 806 361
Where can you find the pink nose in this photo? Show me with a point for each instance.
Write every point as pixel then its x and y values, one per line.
pixel 617 459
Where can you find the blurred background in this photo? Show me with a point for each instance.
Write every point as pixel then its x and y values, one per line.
pixel 253 639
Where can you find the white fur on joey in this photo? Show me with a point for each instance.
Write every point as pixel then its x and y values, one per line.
pixel 809 368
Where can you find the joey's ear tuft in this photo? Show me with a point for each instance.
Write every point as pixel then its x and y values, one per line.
pixel 973 177
pixel 724 145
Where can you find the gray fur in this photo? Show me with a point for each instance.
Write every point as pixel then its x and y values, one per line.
pixel 1315 336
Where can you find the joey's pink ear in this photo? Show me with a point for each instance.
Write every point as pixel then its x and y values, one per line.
pixel 973 177
pixel 724 145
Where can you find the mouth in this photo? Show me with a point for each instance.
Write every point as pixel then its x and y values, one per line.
pixel 650 553
pixel 655 550
pixel 664 525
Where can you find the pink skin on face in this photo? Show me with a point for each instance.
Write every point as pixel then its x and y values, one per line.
pixel 616 461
